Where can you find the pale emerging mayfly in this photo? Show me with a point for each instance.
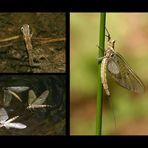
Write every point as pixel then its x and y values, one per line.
pixel 8 124
pixel 35 102
pixel 12 91
pixel 119 70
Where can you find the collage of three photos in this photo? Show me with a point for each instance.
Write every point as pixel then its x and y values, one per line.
pixel 98 66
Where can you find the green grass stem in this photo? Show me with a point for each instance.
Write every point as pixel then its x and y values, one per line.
pixel 100 89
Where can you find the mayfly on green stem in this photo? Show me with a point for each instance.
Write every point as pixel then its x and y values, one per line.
pixel 118 70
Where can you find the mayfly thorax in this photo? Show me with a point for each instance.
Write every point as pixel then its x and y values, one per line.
pixel 119 70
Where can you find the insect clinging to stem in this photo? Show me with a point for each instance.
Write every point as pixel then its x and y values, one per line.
pixel 118 70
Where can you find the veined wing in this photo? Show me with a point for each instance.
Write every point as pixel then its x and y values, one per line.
pixel 3 115
pixel 123 74
pixel 31 97
pixel 7 98
pixel 15 125
pixel 18 89
pixel 41 99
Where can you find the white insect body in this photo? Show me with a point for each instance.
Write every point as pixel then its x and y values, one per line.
pixel 35 102
pixel 8 124
pixel 12 91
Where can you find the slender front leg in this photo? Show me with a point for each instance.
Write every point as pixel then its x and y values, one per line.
pixel 99 59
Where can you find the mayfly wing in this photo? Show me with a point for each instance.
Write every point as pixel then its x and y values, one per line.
pixel 18 89
pixel 41 99
pixel 7 98
pixel 31 97
pixel 123 74
pixel 15 125
pixel 3 115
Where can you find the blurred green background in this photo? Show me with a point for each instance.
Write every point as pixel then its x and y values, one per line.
pixel 130 30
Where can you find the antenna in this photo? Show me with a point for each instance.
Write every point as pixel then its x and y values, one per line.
pixel 112 43
pixel 108 34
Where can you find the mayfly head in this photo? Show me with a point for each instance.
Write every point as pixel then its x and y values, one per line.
pixel 25 30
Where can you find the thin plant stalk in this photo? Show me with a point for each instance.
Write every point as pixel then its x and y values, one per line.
pixel 100 89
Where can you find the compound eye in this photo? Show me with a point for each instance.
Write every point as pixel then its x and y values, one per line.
pixel 112 55
pixel 22 29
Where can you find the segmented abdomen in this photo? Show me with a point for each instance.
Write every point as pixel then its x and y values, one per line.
pixel 103 75
pixel 37 106
pixel 28 42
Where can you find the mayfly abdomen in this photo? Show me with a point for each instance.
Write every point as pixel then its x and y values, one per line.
pixel 103 75
pixel 27 36
pixel 37 106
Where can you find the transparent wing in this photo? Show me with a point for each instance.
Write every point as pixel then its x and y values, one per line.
pixel 7 98
pixel 113 67
pixel 122 73
pixel 41 99
pixel 31 97
pixel 18 89
pixel 3 115
pixel 15 125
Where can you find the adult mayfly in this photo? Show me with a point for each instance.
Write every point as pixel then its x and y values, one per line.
pixel 27 37
pixel 35 102
pixel 12 91
pixel 119 70
pixel 8 124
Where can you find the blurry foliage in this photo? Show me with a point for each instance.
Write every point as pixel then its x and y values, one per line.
pixel 131 35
